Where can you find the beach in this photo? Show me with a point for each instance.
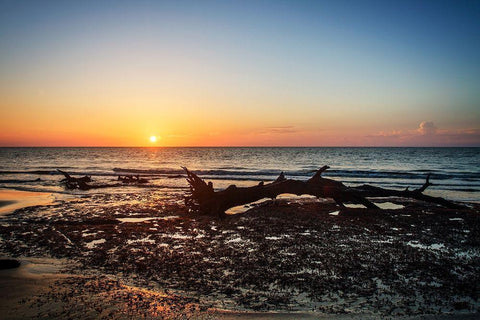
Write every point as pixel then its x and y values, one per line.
pixel 146 255
pixel 134 249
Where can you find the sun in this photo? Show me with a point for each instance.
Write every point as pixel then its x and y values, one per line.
pixel 153 139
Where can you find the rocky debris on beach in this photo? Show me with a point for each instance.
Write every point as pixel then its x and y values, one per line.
pixel 284 256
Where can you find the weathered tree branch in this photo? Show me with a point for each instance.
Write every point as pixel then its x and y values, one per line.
pixel 417 194
pixel 82 183
pixel 76 183
pixel 131 179
pixel 204 199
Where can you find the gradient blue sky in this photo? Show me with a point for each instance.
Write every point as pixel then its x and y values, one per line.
pixel 240 72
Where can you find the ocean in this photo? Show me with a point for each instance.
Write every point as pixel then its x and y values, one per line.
pixel 455 172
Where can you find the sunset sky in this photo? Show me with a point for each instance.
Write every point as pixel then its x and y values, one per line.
pixel 240 73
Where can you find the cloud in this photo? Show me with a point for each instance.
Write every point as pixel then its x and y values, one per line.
pixel 395 134
pixel 466 137
pixel 278 130
pixel 427 134
pixel 427 128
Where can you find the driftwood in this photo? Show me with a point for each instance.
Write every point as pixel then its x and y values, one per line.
pixel 82 182
pixel 76 183
pixel 132 179
pixel 417 194
pixel 203 199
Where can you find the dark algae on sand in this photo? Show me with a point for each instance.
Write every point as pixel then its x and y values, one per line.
pixel 289 255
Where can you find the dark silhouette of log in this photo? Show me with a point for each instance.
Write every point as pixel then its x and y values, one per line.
pixel 204 199
pixel 417 194
pixel 82 182
pixel 132 179
pixel 9 264
pixel 76 183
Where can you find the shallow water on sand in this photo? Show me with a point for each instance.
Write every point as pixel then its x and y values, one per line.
pixel 11 200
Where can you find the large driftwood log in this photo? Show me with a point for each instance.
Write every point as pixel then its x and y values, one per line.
pixel 204 199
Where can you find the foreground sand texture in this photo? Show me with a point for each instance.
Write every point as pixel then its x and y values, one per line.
pixel 144 256
pixel 41 289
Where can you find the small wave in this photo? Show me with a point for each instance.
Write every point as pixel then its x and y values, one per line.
pixel 211 172
pixel 19 181
pixel 265 174
pixel 56 173
pixel 39 172
pixel 148 171
pixel 38 189
pixel 463 189
pixel 379 177
pixel 274 172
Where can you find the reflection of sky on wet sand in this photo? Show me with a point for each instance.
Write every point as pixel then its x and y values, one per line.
pixel 10 200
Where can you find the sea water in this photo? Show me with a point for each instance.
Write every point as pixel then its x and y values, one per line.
pixel 455 172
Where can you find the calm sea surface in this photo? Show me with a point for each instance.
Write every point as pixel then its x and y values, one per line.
pixel 455 172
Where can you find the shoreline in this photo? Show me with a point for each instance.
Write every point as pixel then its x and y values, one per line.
pixel 11 200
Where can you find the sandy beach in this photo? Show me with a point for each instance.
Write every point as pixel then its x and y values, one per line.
pixel 47 288
pixel 41 288
pixel 143 256
pixel 20 286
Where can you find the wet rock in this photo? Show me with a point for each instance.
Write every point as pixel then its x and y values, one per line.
pixel 9 264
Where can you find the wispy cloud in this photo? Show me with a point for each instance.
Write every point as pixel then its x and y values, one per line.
pixel 278 130
pixel 395 134
pixel 461 137
pixel 427 134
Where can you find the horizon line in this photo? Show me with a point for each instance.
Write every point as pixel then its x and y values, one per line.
pixel 253 146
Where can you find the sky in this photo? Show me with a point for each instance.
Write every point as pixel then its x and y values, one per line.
pixel 240 73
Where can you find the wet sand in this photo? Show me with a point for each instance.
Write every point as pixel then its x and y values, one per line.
pixel 11 200
pixel 32 279
pixel 44 288
pixel 146 256
pixel 41 288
